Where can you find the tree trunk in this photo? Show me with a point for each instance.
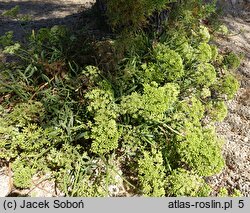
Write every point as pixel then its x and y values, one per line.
pixel 102 6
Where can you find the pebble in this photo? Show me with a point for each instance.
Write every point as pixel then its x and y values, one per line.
pixel 4 185
pixel 230 182
pixel 245 139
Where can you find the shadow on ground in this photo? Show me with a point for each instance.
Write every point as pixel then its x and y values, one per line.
pixel 46 14
pixel 39 9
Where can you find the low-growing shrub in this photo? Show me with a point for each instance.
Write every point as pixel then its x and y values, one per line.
pixel 184 183
pixel 133 13
pixel 149 121
pixel 152 174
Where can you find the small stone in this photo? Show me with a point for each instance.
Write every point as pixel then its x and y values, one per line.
pixel 113 189
pixel 245 139
pixel 230 182
pixel 4 185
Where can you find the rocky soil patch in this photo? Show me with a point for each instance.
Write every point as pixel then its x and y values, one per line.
pixel 236 127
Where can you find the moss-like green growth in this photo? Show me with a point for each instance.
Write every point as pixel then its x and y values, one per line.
pixel 152 174
pixel 223 192
pixel 25 113
pixel 204 52
pixel 201 150
pixel 169 62
pixel 103 130
pixel 227 85
pixel 204 74
pixel 232 61
pixel 217 110
pixel 153 104
pixel 22 174
pixel 184 183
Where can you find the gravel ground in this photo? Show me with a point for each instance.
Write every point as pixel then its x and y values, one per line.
pixel 236 127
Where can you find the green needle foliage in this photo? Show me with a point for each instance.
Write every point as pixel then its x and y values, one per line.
pixel 133 13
